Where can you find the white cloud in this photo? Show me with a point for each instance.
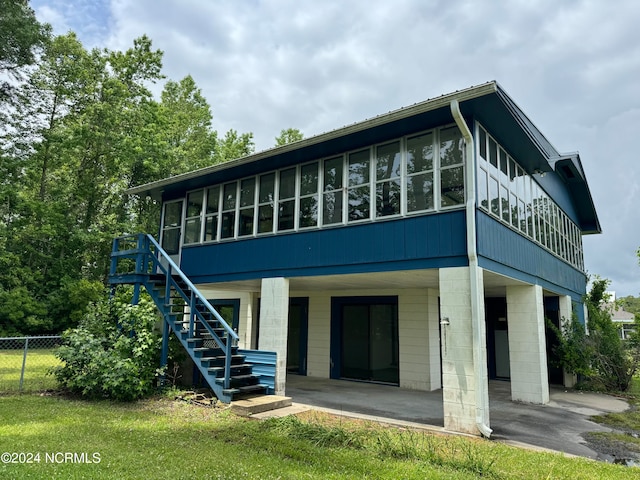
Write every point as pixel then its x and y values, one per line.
pixel 317 65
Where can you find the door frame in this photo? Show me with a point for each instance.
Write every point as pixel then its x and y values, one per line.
pixel 175 257
pixel 302 302
pixel 337 303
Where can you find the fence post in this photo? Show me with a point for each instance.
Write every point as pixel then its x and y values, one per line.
pixel 24 362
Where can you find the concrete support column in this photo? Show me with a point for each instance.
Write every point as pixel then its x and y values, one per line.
pixel 433 319
pixel 465 401
pixel 527 344
pixel 566 313
pixel 274 317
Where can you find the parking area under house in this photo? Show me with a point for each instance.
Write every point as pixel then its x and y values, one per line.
pixel 558 425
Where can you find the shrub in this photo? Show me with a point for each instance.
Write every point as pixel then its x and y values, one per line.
pixel 600 357
pixel 113 353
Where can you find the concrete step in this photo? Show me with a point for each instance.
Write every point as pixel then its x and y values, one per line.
pixel 258 404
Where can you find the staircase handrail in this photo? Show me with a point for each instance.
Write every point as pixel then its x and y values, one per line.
pixel 192 287
pixel 144 242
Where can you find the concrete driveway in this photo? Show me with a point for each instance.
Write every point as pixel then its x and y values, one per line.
pixel 557 426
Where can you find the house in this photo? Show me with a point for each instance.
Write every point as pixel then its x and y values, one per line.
pixel 422 248
pixel 625 321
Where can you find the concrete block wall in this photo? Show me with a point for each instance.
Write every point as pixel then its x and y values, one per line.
pixel 417 330
pixel 246 314
pixel 460 390
pixel 569 380
pixel 274 315
pixel 527 344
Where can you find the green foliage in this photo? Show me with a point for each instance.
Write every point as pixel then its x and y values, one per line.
pixel 233 146
pixel 20 36
pixel 113 353
pixel 288 135
pixel 630 304
pixel 81 128
pixel 600 357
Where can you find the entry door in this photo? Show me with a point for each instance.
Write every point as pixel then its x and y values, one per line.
pixel 497 338
pixel 297 336
pixel 171 229
pixel 368 339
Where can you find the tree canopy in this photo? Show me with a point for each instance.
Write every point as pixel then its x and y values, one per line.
pixel 288 135
pixel 21 35
pixel 81 127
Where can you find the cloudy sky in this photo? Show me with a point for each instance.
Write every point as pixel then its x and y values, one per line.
pixel 572 65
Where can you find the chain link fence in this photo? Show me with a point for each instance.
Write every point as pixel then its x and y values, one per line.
pixel 25 363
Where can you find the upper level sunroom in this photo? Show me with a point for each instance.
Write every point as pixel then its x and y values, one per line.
pixel 406 163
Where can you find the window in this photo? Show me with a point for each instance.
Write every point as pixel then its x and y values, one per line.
pixel 308 216
pixel 332 191
pixel 193 219
pixel 388 182
pixel 359 191
pixel 228 228
pixel 513 197
pixel 419 180
pixel 266 197
pixel 247 202
pixel 451 167
pixel 287 200
pixel 211 214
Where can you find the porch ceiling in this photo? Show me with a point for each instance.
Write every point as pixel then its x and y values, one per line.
pixel 494 284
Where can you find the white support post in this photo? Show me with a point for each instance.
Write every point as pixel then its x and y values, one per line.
pixel 566 314
pixel 464 390
pixel 527 344
pixel 274 319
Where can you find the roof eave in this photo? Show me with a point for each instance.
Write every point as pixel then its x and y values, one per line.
pixel 405 112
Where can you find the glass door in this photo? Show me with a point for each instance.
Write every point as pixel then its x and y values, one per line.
pixel 171 229
pixel 368 345
pixel 297 336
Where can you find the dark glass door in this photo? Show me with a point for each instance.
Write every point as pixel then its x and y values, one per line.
pixel 369 340
pixel 297 336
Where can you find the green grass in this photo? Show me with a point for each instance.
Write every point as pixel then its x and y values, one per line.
pixel 37 366
pixel 628 423
pixel 166 439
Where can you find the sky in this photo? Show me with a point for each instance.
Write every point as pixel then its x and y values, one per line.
pixel 573 66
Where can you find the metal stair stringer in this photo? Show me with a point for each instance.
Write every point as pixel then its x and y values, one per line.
pixel 208 339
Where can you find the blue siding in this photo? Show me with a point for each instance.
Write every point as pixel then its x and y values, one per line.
pixel 428 241
pixel 504 251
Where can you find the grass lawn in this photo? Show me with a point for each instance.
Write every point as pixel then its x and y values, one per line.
pixel 37 365
pixel 162 438
pixel 627 423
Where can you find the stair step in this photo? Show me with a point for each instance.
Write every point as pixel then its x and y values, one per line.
pixel 253 404
pixel 246 390
pixel 236 370
pixel 218 361
pixel 240 381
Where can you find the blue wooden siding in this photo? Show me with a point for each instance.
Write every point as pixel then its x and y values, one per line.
pixel 504 251
pixel 428 241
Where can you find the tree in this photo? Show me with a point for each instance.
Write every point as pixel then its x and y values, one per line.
pixel 80 122
pixel 288 135
pixel 189 135
pixel 21 35
pixel 600 357
pixel 234 146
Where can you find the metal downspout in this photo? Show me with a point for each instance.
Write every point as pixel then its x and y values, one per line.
pixel 477 315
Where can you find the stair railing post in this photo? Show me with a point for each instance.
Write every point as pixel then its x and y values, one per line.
pixel 192 313
pixel 164 355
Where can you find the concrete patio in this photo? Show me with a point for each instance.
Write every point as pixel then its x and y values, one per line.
pixel 557 426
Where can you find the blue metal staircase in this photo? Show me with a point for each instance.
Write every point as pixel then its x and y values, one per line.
pixel 139 260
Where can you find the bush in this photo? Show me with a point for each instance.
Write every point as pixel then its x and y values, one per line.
pixel 601 358
pixel 113 353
